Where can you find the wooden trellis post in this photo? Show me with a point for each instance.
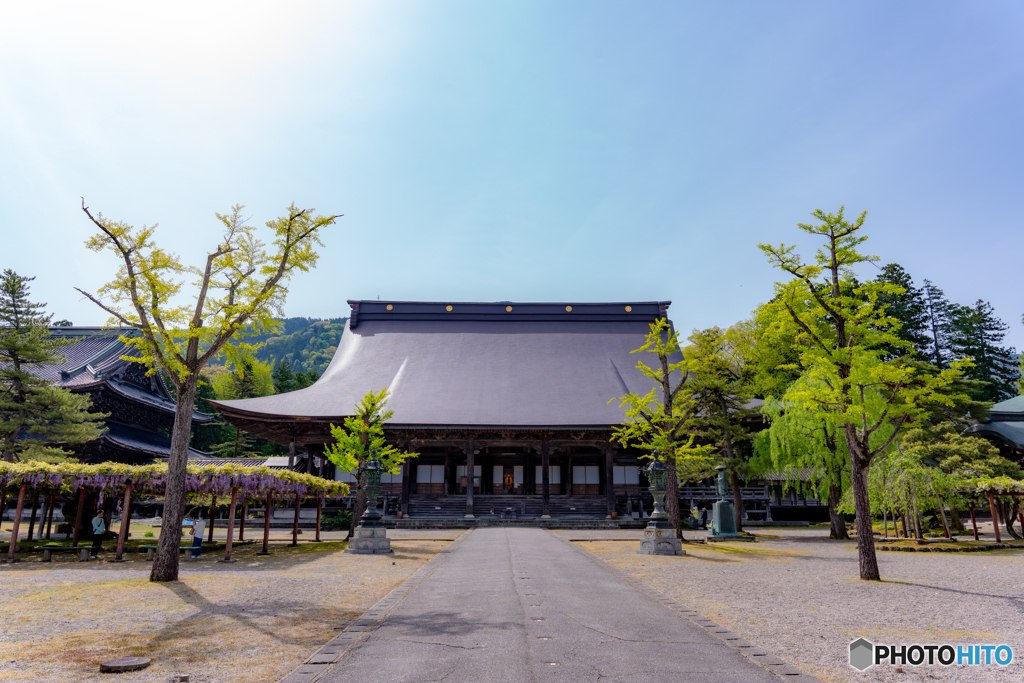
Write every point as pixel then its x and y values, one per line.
pixel 49 515
pixel 319 504
pixel 266 527
pixel 295 524
pixel 241 522
pixel 231 525
pixel 213 516
pixel 974 522
pixel 995 515
pixel 78 515
pixel 126 513
pixel 17 523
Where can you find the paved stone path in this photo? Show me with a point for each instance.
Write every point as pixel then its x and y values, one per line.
pixel 521 604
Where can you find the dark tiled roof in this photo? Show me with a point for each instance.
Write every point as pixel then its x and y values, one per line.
pixel 95 356
pixel 1009 432
pixel 242 462
pixel 143 441
pixel 479 364
pixel 1013 405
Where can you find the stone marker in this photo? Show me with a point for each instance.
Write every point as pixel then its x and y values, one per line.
pixel 724 526
pixel 114 666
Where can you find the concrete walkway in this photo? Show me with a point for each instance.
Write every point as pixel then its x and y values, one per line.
pixel 520 604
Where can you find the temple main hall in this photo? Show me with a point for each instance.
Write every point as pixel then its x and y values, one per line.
pixel 509 405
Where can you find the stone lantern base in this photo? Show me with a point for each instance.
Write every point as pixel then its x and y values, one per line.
pixel 657 541
pixel 369 541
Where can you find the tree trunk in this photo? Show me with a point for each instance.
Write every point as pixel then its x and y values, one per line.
pixel 672 498
pixel 837 521
pixel 165 563
pixel 955 523
pixel 942 512
pixel 862 506
pixel 974 523
pixel 1009 518
pixel 995 516
pixel 737 499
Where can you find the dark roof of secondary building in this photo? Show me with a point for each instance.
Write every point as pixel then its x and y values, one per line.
pixel 141 441
pixel 1008 409
pixel 94 360
pixel 478 365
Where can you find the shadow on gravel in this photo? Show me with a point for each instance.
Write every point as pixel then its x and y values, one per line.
pixel 203 623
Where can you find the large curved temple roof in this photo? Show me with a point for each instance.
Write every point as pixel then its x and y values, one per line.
pixel 474 365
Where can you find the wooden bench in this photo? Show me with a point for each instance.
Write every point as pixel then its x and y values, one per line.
pixel 48 551
pixel 151 550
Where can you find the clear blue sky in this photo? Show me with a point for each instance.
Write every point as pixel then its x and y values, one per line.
pixel 537 151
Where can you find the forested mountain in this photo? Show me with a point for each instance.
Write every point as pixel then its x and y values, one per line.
pixel 306 344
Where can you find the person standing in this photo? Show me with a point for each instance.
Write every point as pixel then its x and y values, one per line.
pixel 198 529
pixel 98 529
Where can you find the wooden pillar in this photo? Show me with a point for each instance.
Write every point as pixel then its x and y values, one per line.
pixel 17 522
pixel 266 526
pixel 449 472
pixel 126 513
pixel 995 516
pixel 295 524
pixel 545 476
pixel 309 461
pixel 470 472
pixel 974 522
pixel 609 477
pixel 319 508
pixel 78 515
pixel 49 515
pixel 567 480
pixel 213 516
pixel 323 460
pixel 32 517
pixel 403 501
pixel 241 522
pixel 291 452
pixel 231 525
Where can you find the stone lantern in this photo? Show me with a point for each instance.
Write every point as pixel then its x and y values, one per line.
pixel 370 537
pixel 659 536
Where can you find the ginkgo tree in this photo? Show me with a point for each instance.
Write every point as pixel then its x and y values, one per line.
pixel 657 420
pixel 240 289
pixel 842 331
pixel 360 436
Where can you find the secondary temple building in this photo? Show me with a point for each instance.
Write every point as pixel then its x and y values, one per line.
pixel 509 405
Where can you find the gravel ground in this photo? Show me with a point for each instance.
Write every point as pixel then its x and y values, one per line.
pixel 797 596
pixel 251 621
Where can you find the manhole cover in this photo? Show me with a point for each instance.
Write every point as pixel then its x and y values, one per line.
pixel 113 666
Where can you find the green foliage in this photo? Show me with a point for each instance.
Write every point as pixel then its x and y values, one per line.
pixel 719 396
pixel 966 457
pixel 285 379
pixel 657 420
pixel 843 332
pixel 249 379
pixel 241 287
pixel 363 433
pixel 36 418
pixel 976 332
pixel 910 309
pixel 340 521
pixel 769 356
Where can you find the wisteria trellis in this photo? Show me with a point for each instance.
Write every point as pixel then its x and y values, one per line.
pixel 110 478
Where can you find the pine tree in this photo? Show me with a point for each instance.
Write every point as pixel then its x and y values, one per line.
pixel 284 378
pixel 977 332
pixel 910 308
pixel 937 312
pixel 36 418
pixel 720 398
